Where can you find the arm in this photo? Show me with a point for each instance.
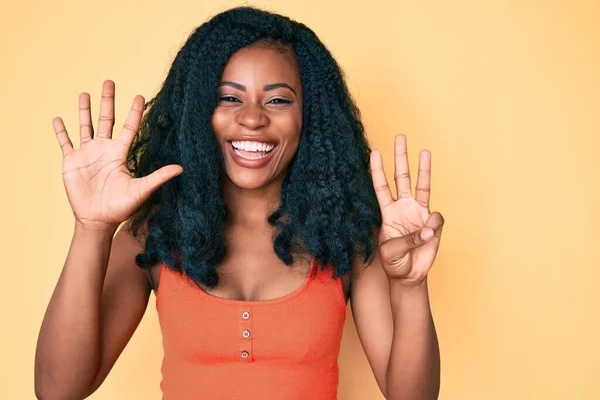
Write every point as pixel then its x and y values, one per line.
pixel 396 330
pixel 392 298
pixel 413 370
pixel 97 304
pixel 372 313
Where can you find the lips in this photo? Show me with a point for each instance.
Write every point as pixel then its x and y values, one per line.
pixel 252 154
pixel 250 159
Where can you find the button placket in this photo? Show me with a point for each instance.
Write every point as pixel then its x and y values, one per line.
pixel 245 333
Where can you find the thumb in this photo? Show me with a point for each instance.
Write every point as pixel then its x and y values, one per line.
pixel 148 184
pixel 396 250
pixel 435 222
pixel 418 238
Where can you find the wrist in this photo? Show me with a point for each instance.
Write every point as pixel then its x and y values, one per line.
pixel 402 291
pixel 96 228
pixel 407 284
pixel 410 297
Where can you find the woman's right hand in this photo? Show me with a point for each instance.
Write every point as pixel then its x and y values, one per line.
pixel 100 188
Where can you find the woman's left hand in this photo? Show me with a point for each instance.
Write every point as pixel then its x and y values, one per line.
pixel 410 235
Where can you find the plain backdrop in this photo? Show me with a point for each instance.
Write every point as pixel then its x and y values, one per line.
pixel 506 96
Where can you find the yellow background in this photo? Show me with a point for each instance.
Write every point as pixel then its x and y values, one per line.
pixel 505 94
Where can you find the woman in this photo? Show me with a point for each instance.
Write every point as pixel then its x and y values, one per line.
pixel 254 218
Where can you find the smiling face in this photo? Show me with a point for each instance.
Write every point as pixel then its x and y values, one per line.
pixel 259 115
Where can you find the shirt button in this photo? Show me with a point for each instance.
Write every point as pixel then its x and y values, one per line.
pixel 245 315
pixel 246 333
pixel 244 354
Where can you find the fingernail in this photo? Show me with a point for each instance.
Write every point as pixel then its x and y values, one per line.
pixel 426 233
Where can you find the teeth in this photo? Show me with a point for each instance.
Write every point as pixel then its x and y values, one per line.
pixel 248 157
pixel 247 145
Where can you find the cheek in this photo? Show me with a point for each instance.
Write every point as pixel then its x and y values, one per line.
pixel 294 129
pixel 294 126
pixel 298 129
pixel 218 122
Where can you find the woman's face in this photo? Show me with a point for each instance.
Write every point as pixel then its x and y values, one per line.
pixel 259 115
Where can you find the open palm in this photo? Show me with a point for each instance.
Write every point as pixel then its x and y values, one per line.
pixel 100 189
pixel 406 251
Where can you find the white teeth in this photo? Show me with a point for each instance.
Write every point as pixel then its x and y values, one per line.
pixel 249 158
pixel 252 145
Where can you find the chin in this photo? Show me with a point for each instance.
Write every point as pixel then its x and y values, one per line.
pixel 248 180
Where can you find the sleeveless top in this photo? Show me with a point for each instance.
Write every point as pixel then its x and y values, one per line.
pixel 282 348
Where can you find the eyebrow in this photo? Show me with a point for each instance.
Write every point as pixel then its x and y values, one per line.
pixel 266 88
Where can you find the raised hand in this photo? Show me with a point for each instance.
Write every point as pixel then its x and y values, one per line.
pixel 410 235
pixel 100 188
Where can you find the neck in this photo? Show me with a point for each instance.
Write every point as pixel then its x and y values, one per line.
pixel 250 207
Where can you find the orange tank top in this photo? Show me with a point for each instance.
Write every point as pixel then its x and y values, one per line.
pixel 283 348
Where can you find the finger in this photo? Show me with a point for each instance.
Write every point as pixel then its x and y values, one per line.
pixel 382 189
pixel 86 130
pixel 423 188
pixel 106 120
pixel 132 123
pixel 435 222
pixel 395 249
pixel 63 137
pixel 146 185
pixel 401 173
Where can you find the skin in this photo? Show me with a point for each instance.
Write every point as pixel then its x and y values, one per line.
pixel 85 328
pixel 401 341
pixel 246 111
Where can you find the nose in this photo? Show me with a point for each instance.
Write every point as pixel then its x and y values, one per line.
pixel 252 116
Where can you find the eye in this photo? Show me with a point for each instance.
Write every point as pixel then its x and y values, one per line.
pixel 229 99
pixel 278 101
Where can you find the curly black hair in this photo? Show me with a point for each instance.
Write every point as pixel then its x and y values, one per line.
pixel 328 206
